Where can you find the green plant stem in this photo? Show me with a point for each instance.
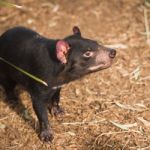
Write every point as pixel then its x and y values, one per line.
pixel 24 72
pixel 7 4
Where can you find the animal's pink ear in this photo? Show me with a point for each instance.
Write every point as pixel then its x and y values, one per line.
pixel 76 31
pixel 62 48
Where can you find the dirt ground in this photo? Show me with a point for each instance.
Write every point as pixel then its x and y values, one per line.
pixel 107 110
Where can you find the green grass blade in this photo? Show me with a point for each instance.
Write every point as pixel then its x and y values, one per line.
pixel 7 4
pixel 24 72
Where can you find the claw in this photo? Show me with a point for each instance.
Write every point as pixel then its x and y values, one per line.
pixel 56 111
pixel 46 135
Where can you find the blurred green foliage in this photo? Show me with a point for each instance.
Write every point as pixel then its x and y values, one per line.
pixel 147 1
pixel 4 3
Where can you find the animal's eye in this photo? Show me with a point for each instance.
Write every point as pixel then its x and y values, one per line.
pixel 88 54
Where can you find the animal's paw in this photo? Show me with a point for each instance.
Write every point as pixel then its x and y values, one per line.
pixel 46 135
pixel 56 111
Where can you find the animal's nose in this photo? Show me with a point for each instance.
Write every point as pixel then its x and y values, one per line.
pixel 112 53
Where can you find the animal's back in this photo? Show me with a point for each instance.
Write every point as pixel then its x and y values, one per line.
pixel 22 47
pixel 17 40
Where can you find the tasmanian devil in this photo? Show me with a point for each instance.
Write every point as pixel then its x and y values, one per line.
pixel 56 61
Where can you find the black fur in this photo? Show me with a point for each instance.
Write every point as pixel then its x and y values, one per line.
pixel 37 55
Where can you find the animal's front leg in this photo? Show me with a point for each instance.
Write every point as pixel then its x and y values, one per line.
pixel 53 105
pixel 40 108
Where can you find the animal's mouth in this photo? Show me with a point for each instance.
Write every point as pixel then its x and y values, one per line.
pixel 100 66
pixel 103 60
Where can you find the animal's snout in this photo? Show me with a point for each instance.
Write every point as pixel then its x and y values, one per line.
pixel 112 53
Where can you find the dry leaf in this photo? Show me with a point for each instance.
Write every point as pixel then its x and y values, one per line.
pixel 125 106
pixel 71 133
pixel 124 126
pixel 135 74
pixel 145 122
pixel 2 126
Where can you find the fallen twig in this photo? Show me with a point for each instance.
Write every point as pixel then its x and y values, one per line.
pixel 3 118
pixel 128 107
pixel 145 122
pixel 117 46
pixel 84 122
pixel 146 26
pixel 124 126
pixel 137 148
pixel 114 133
